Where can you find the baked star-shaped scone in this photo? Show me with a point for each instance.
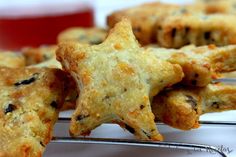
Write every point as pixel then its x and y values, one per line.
pixel 144 17
pixel 200 64
pixel 181 107
pixel 92 36
pixel 199 29
pixel 30 100
pixel 197 69
pixel 222 59
pixel 116 80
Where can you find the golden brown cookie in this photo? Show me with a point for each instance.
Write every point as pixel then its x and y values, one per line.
pixel 83 35
pixel 30 100
pixel 197 68
pixel 116 80
pixel 11 59
pixel 178 30
pixel 143 18
pixel 35 55
pixel 219 97
pixel 71 93
pixel 200 64
pixel 180 107
pixel 177 107
pixel 223 59
pixel 217 6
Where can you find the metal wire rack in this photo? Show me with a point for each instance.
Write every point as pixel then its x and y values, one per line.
pixel 154 144
pixel 139 143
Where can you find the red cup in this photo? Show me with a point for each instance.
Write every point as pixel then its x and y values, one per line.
pixel 38 24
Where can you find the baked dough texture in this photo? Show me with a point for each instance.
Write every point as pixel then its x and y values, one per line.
pixel 116 80
pixel 11 59
pixel 176 31
pixel 217 6
pixel 90 36
pixel 36 55
pixel 181 107
pixel 201 65
pixel 30 100
pixel 144 17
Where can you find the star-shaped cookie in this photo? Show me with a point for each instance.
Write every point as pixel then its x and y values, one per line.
pixel 200 64
pixel 116 80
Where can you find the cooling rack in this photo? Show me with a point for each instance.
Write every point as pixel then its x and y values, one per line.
pixel 140 143
pixel 151 144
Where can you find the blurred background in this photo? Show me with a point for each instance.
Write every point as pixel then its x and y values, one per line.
pixel 38 22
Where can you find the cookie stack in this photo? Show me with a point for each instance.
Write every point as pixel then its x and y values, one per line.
pixel 107 76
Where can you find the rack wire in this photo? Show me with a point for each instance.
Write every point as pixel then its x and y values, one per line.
pixel 153 144
pixel 140 143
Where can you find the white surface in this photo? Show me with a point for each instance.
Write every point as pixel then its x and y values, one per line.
pixel 220 136
pixel 27 8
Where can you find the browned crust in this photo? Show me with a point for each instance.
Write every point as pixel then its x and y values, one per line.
pixel 111 74
pixel 144 17
pixel 35 55
pixel 181 107
pixel 29 106
pixel 198 29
